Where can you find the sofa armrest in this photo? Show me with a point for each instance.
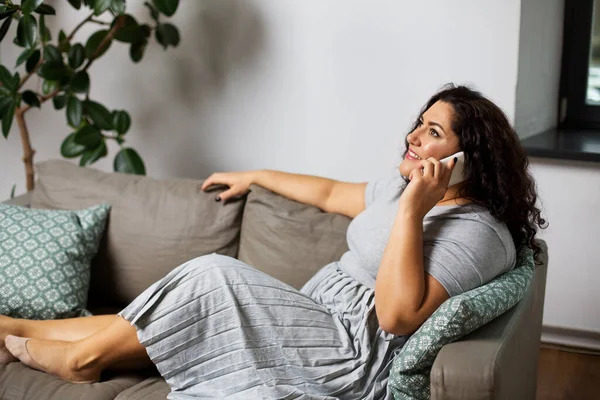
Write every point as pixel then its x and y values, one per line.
pixel 22 200
pixel 499 360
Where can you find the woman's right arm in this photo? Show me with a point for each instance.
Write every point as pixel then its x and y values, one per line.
pixel 327 194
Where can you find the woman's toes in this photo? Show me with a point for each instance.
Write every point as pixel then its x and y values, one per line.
pixel 54 357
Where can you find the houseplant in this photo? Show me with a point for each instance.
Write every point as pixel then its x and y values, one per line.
pixel 62 66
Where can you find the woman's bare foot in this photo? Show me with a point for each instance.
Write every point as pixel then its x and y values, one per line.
pixel 52 356
pixel 5 329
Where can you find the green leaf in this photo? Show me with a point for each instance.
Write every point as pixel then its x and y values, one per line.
pixel 130 32
pixel 17 42
pixel 45 9
pixel 118 7
pixel 74 111
pixel 6 78
pixel 4 28
pixel 101 5
pixel 94 42
pixel 49 86
pixel 24 56
pixel 46 35
pixel 167 34
pixel 52 70
pixel 12 192
pixel 7 119
pixel 136 51
pixel 75 3
pixel 63 42
pixel 5 103
pixel 121 121
pixel 76 55
pixel 59 101
pixel 70 149
pixel 88 136
pixel 16 80
pixel 27 6
pixel 52 53
pixel 31 98
pixel 7 14
pixel 167 7
pixel 32 61
pixel 80 82
pixel 27 30
pixel 101 117
pixel 91 156
pixel 153 11
pixel 42 25
pixel 128 161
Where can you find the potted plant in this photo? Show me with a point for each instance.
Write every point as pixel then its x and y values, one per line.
pixel 62 65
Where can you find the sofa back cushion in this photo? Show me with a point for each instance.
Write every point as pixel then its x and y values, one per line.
pixel 154 225
pixel 289 240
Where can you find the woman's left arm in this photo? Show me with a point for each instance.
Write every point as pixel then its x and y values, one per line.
pixel 405 296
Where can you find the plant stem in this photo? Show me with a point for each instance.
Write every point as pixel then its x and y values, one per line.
pixel 120 22
pixel 33 71
pixel 28 152
pixel 89 18
pixel 99 22
pixel 24 109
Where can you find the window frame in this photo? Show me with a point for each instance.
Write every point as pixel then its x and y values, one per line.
pixel 573 112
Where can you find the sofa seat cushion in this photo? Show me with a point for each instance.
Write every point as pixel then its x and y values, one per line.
pixel 289 240
pixel 19 382
pixel 154 225
pixel 154 388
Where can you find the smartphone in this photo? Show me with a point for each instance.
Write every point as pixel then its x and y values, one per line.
pixel 458 171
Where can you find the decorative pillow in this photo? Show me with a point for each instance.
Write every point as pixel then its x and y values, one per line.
pixel 456 317
pixel 45 258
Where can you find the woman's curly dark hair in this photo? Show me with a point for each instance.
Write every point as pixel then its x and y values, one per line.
pixel 496 166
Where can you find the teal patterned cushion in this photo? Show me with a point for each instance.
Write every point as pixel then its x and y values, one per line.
pixel 45 258
pixel 456 317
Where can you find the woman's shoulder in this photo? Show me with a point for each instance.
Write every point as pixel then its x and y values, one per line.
pixel 476 229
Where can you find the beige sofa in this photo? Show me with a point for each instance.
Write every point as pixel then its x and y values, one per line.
pixel 155 225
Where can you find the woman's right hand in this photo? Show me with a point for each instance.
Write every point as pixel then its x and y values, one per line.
pixel 238 182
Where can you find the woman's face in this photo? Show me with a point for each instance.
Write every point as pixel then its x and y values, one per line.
pixel 433 137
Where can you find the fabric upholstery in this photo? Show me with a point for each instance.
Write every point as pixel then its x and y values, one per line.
pixel 19 382
pixel 154 225
pixel 45 258
pixel 288 240
pixel 154 388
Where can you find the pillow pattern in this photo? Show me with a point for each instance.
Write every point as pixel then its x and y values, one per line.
pixel 456 317
pixel 45 258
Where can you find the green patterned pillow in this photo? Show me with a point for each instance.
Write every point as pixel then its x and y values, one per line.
pixel 456 317
pixel 45 258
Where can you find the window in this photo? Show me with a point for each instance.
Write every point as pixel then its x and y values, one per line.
pixel 579 105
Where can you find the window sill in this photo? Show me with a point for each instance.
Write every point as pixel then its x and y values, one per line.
pixel 580 145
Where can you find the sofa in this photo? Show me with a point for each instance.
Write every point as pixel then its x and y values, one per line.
pixel 155 225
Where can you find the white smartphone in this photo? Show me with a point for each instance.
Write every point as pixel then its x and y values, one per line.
pixel 458 171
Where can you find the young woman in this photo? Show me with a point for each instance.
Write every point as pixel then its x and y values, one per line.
pixel 218 328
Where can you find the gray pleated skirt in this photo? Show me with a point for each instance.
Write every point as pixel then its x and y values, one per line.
pixel 217 328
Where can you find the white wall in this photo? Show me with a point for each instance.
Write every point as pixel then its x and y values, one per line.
pixel 540 51
pixel 327 89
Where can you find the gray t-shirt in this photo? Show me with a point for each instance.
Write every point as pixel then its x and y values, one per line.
pixel 464 246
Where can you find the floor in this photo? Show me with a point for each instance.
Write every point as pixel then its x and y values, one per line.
pixel 566 375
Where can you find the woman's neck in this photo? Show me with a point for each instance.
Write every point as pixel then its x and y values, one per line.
pixel 452 196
